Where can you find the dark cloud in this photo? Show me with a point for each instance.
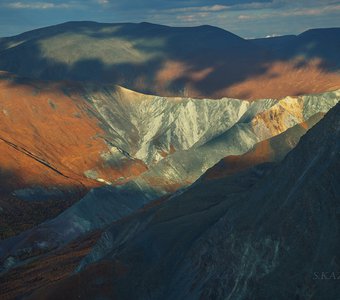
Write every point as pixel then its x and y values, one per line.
pixel 244 17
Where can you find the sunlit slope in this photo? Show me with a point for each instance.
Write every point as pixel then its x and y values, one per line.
pixel 51 138
pixel 83 135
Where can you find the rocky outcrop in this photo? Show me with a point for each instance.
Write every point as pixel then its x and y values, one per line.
pixel 261 121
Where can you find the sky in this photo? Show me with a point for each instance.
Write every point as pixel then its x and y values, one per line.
pixel 246 18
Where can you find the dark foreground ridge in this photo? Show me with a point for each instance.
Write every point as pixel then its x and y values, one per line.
pixel 267 233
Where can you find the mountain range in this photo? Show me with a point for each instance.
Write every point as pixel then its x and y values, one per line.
pixel 141 161
pixel 203 61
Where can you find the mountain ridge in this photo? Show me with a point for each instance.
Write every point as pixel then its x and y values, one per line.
pixel 200 62
pixel 289 231
pixel 245 124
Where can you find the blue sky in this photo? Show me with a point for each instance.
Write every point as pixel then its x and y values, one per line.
pixel 246 18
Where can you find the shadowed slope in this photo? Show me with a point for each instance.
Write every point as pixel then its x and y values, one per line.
pixel 57 265
pixel 201 61
pixel 313 43
pixel 242 236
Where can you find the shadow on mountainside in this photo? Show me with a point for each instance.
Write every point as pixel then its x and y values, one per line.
pixel 199 61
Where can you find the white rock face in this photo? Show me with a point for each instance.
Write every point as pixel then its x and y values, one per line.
pixel 180 138
pixel 149 127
